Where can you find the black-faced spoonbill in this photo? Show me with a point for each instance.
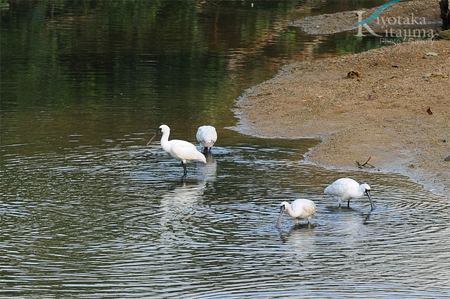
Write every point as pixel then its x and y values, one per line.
pixel 346 189
pixel 179 149
pixel 206 136
pixel 298 209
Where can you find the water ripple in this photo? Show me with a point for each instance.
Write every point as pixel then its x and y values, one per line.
pixel 99 222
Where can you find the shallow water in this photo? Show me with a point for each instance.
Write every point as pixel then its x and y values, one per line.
pixel 121 222
pixel 89 211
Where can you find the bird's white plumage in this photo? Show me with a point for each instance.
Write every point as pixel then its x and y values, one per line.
pixel 179 149
pixel 299 209
pixel 182 150
pixel 206 136
pixel 346 189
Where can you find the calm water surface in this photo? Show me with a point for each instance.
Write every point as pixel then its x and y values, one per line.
pixel 88 211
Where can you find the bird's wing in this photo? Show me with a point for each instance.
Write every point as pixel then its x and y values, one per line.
pixel 310 209
pixel 304 205
pixel 181 148
pixel 209 137
pixel 207 134
pixel 337 188
pixel 199 134
pixel 213 135
pixel 187 151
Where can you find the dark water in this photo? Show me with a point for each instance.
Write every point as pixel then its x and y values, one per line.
pixel 88 211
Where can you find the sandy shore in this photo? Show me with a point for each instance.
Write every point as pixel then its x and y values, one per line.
pixel 418 13
pixel 397 112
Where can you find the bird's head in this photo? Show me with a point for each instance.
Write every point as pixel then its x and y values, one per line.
pixel 283 206
pixel 366 189
pixel 161 129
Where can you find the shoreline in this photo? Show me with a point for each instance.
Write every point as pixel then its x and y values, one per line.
pixel 383 114
pixel 400 15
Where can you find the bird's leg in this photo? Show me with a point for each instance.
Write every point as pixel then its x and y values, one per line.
pixel 297 221
pixel 348 203
pixel 184 168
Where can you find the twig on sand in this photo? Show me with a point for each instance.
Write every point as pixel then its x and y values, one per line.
pixel 365 164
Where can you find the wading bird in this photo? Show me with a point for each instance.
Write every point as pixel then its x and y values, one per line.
pixel 298 209
pixel 206 136
pixel 179 149
pixel 346 189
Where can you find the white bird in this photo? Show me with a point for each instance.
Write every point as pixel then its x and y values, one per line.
pixel 206 136
pixel 346 189
pixel 179 149
pixel 298 209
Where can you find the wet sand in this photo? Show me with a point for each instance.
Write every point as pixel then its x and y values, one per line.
pixel 397 112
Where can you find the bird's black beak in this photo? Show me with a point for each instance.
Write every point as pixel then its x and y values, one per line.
pixel 370 199
pixel 278 225
pixel 159 130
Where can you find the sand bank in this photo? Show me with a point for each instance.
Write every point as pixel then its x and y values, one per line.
pixel 397 112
